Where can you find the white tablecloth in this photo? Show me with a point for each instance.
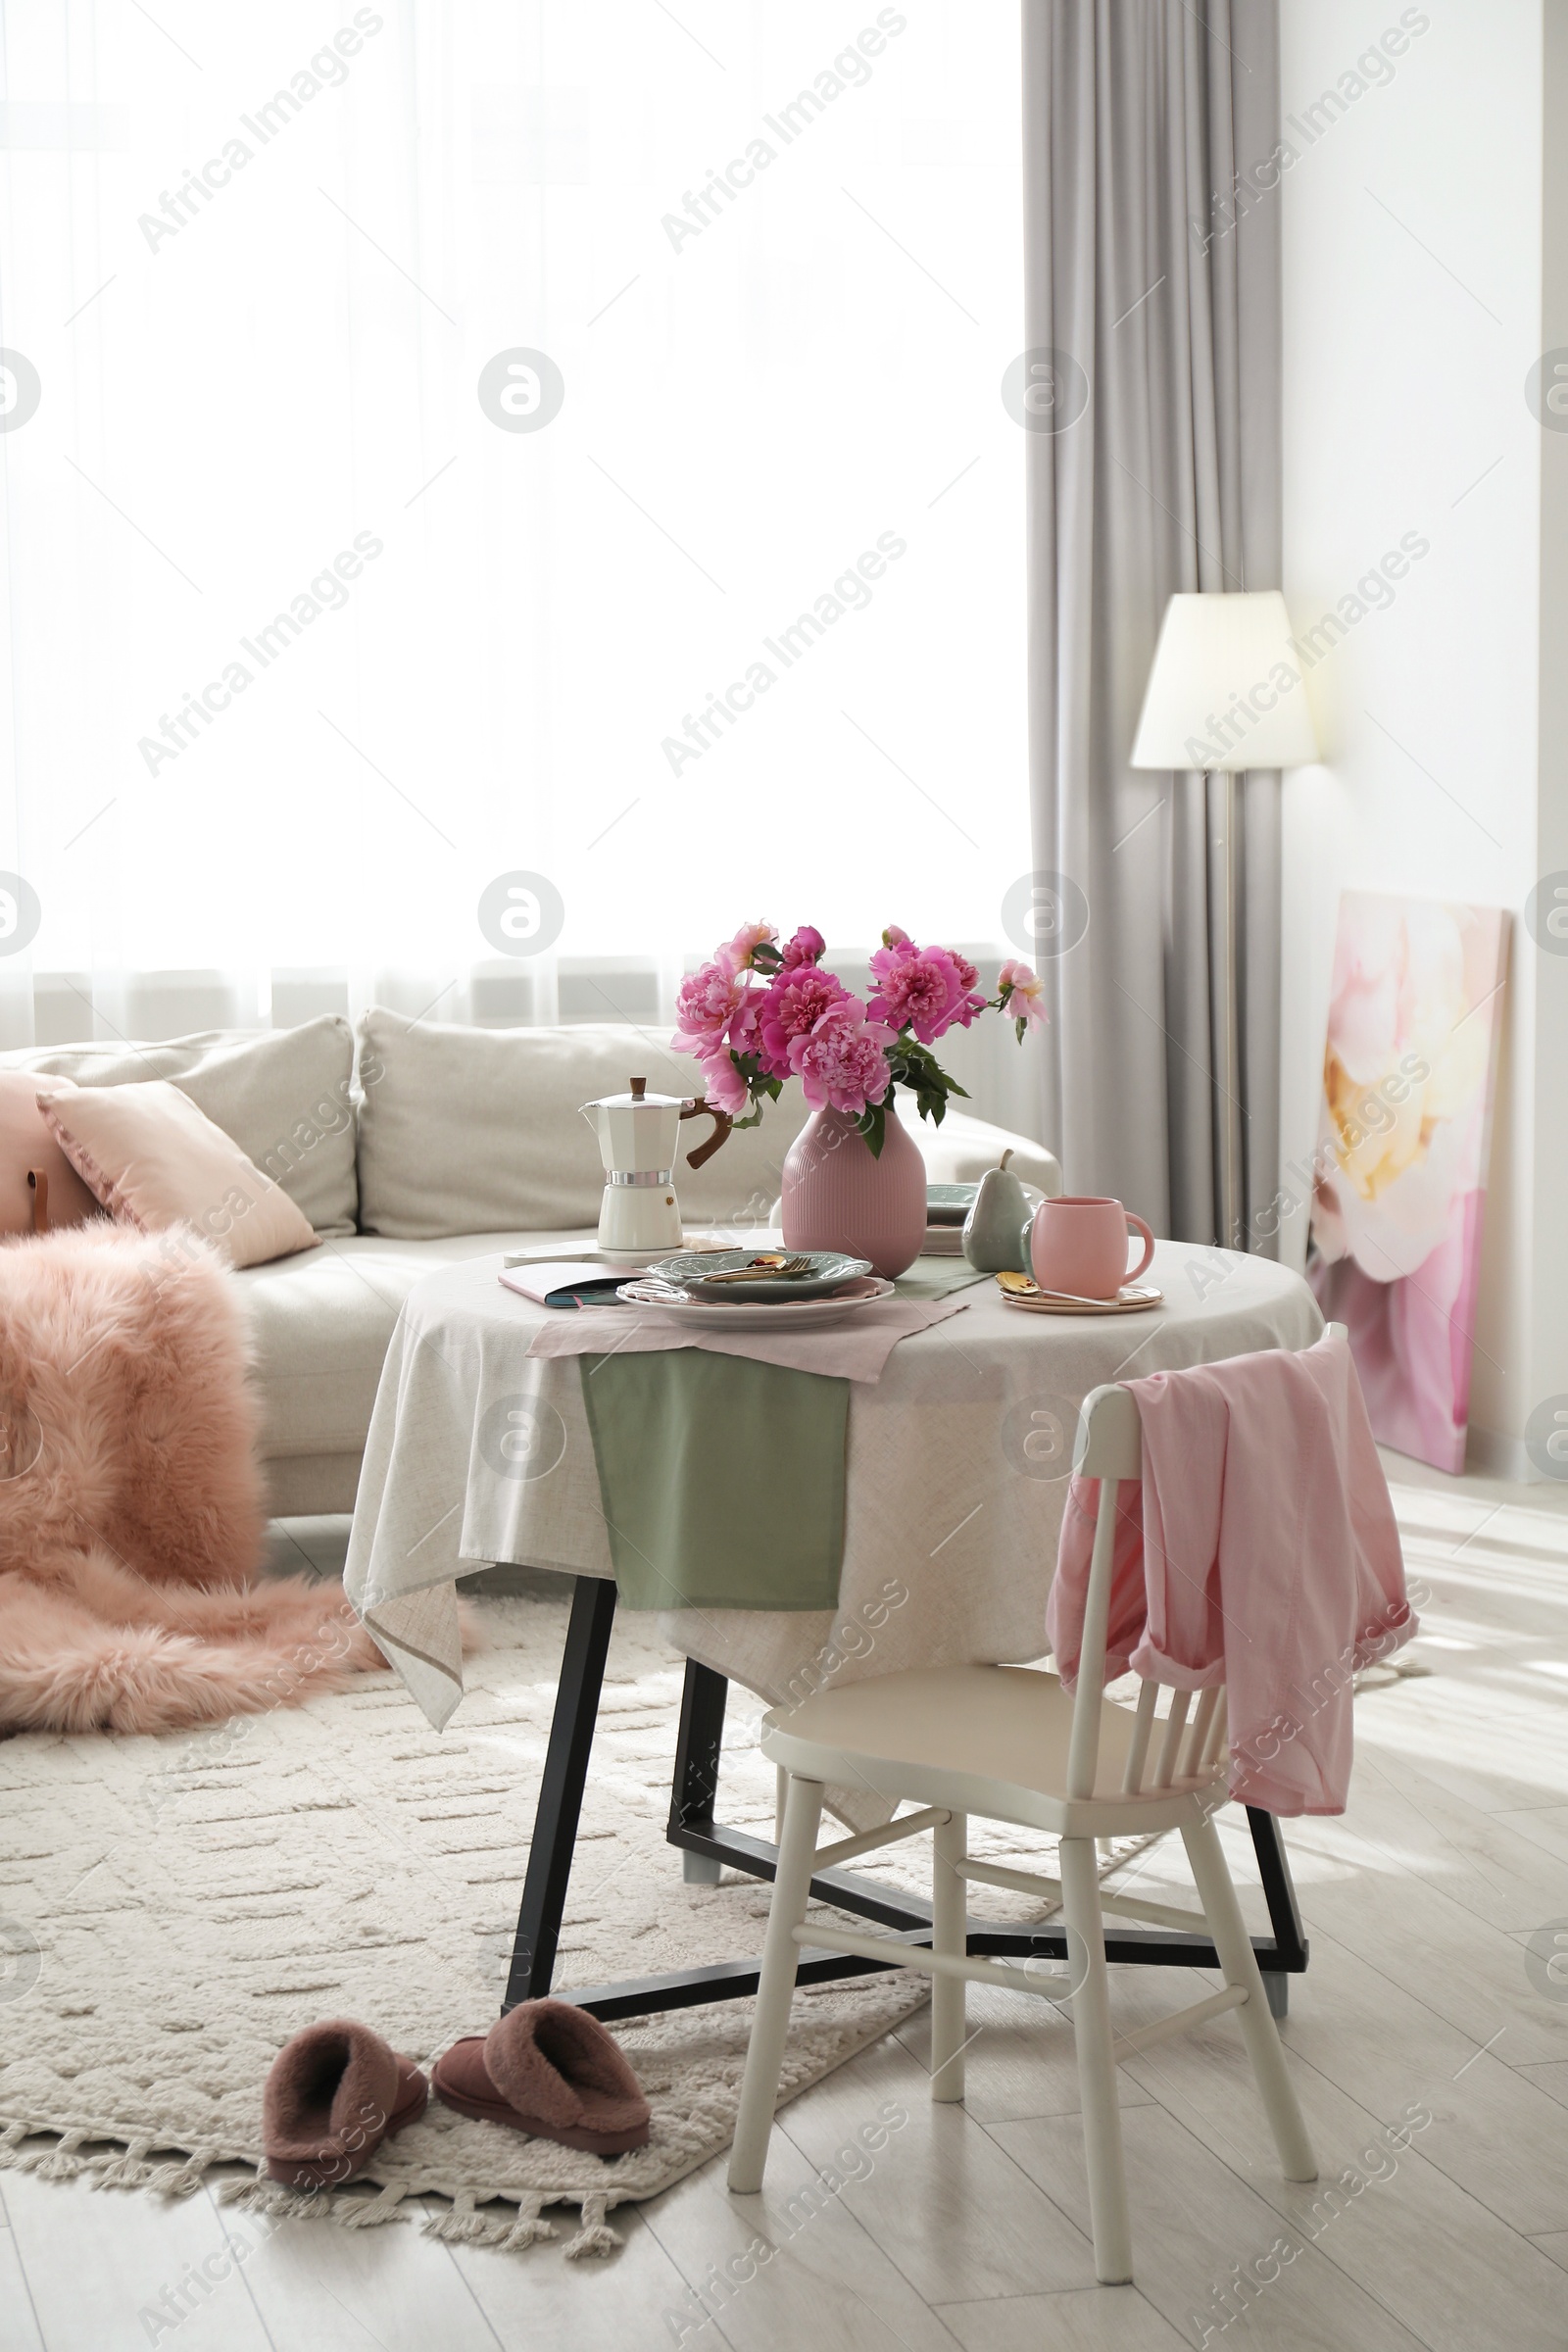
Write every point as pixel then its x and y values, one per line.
pixel 956 1475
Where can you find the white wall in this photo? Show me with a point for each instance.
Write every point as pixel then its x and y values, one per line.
pixel 1413 311
pixel 1549 1252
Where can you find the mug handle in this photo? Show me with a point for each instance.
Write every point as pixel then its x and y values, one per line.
pixel 1149 1248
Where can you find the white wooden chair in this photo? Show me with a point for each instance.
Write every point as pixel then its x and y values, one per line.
pixel 1009 1744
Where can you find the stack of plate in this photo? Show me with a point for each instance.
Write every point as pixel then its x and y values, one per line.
pixel 946 1207
pixel 756 1296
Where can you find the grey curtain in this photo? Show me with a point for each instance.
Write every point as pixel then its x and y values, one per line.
pixel 1153 441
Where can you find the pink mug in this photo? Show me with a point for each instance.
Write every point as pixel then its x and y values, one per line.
pixel 1079 1244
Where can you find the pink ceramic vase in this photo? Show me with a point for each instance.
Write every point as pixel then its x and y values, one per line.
pixel 837 1196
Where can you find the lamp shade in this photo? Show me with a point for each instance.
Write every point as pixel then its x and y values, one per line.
pixel 1225 690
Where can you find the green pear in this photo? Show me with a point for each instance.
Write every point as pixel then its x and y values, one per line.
pixel 995 1232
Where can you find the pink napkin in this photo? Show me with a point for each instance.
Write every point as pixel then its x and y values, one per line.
pixel 857 1348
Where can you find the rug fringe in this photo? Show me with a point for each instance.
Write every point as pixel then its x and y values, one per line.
pixel 369 2213
pixel 519 2226
pixel 130 2168
pixel 280 2203
pixel 595 2235
pixel 59 2163
pixel 277 2202
pixel 177 2180
pixel 514 2224
pixel 528 2229
pixel 462 2226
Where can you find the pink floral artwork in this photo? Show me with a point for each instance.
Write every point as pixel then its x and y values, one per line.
pixel 1400 1171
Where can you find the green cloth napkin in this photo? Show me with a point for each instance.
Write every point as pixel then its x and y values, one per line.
pixel 721 1479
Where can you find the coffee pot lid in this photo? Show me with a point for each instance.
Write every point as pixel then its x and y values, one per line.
pixel 639 1099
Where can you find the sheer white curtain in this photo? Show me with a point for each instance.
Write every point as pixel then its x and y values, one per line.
pixel 320 623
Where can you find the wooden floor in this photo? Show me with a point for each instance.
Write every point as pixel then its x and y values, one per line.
pixel 1431 2063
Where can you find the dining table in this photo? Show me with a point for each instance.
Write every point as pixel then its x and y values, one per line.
pixel 957 1453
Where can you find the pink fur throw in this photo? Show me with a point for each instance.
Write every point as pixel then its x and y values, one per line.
pixel 131 1516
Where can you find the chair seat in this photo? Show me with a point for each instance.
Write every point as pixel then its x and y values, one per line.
pixel 985 1740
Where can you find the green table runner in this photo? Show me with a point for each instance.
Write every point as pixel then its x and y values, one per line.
pixel 721 1479
pixel 936 1277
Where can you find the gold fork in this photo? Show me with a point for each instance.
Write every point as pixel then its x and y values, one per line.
pixel 791 1270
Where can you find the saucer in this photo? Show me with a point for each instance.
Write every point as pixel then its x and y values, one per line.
pixel 1135 1299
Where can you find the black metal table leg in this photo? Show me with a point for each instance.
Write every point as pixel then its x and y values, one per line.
pixel 695 1782
pixel 694 1790
pixel 555 1827
pixel 1283 1912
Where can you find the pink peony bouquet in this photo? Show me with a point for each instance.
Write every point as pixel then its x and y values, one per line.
pixel 761 1013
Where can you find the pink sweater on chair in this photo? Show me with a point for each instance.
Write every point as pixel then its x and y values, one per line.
pixel 1261 1552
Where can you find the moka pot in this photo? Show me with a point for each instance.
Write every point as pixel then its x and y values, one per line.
pixel 638 1133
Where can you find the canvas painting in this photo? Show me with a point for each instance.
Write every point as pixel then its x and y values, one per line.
pixel 1400 1171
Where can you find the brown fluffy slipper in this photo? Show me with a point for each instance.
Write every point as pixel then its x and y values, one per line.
pixel 551 2071
pixel 334 2093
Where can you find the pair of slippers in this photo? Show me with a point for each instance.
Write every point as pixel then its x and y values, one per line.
pixel 336 2091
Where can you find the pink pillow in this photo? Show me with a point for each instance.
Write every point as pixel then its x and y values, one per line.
pixel 27 1143
pixel 155 1160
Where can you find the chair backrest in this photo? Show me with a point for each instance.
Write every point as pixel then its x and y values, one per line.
pixel 1109 1446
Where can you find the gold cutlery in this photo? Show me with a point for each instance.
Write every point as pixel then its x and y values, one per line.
pixel 787 1269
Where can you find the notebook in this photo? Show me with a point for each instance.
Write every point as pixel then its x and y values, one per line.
pixel 567 1284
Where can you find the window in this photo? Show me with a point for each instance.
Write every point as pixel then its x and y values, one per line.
pixel 453 443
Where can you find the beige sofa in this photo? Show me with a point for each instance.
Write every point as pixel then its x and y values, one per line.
pixel 418 1144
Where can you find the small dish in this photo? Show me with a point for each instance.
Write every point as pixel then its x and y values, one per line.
pixel 1134 1299
pixel 691 1272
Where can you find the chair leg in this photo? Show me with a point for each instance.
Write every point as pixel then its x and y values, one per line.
pixel 949 1933
pixel 1097 2071
pixel 802 1810
pixel 1234 1945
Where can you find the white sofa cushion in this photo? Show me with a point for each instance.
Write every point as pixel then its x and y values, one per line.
pixel 477 1130
pixel 284 1095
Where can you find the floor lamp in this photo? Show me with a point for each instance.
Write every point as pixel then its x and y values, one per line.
pixel 1225 694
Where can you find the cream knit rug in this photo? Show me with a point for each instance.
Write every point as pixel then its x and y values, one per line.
pixel 173 1909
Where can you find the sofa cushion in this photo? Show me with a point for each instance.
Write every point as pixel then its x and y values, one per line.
pixel 282 1095
pixel 477 1130
pixel 154 1161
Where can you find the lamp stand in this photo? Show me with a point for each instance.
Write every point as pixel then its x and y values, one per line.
pixel 1225 1004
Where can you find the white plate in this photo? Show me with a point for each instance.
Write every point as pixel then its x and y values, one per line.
pixel 801 1314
